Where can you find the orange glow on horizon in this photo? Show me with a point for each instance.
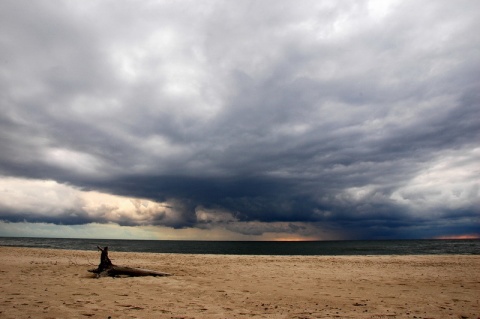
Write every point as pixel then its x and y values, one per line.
pixel 465 236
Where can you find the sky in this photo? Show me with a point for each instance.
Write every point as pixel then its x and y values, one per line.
pixel 240 120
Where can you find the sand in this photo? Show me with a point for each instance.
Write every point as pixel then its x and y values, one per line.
pixel 45 283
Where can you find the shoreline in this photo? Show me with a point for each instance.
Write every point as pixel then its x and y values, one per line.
pixel 54 283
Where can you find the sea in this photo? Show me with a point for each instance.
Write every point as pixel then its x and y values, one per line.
pixel 300 248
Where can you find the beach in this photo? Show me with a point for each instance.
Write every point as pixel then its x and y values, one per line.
pixel 48 283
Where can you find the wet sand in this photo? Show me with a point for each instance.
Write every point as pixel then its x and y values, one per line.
pixel 44 283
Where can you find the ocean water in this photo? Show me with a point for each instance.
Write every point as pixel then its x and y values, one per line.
pixel 309 248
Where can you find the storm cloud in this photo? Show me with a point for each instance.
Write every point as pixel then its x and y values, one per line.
pixel 321 119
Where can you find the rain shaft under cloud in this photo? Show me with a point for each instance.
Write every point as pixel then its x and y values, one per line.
pixel 323 120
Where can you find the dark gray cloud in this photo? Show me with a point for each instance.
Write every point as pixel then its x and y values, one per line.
pixel 360 118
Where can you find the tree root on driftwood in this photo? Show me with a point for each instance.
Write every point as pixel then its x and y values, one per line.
pixel 106 268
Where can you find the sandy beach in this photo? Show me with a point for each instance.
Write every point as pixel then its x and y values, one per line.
pixel 44 283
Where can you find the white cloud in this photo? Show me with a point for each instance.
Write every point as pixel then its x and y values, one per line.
pixel 61 202
pixel 450 181
pixel 37 196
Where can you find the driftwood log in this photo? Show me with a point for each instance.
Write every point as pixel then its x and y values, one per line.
pixel 107 268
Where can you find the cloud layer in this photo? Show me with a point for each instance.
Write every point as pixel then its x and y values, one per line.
pixel 326 119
